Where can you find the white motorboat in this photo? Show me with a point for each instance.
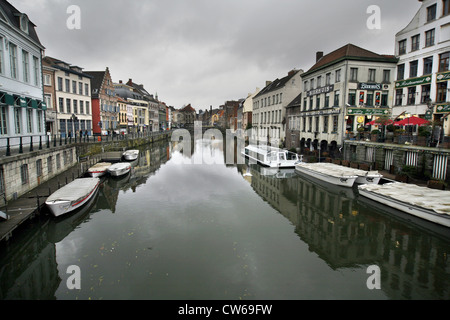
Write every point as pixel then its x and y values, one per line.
pixel 423 202
pixel 72 196
pixel 99 169
pixel 119 169
pixel 272 157
pixel 363 176
pixel 130 155
pixel 334 176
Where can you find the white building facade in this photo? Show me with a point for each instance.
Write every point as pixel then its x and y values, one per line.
pixel 269 108
pixel 22 106
pixel 423 73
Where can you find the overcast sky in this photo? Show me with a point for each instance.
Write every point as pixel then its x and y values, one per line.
pixel 205 52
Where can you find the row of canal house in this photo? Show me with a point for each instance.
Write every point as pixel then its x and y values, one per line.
pixel 44 96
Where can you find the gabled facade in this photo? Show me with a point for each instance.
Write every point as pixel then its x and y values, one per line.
pixel 247 110
pixel 71 112
pixel 22 106
pixel 423 74
pixel 269 108
pixel 152 102
pixel 105 113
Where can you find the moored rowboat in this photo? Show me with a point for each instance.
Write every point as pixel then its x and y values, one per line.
pixel 337 177
pixel 119 169
pixel 72 196
pixel 130 155
pixel 99 169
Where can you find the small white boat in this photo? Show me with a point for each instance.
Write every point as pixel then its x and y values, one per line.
pixel 363 176
pixel 99 169
pixel 334 176
pixel 130 155
pixel 72 196
pixel 272 157
pixel 423 202
pixel 119 169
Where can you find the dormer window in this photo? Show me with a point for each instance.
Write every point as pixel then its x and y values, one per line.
pixel 24 23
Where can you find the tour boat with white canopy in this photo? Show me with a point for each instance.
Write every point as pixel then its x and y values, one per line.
pixel 272 157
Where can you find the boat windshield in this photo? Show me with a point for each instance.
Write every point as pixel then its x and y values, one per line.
pixel 282 156
pixel 292 156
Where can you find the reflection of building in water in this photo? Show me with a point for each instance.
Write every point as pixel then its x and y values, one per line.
pixel 345 234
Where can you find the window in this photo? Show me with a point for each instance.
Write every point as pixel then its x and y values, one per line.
pixel 338 75
pixel 398 97
pixel 353 74
pixel 36 71
pixel 327 100
pixel 67 85
pixel 81 107
pixel 312 84
pixel 311 103
pixel 74 87
pixel 372 73
pixel 425 94
pixel 352 98
pixel 319 82
pixel 3 121
pixel 318 101
pixel 429 38
pixel 328 79
pixel 335 124
pixel 68 108
pixel 86 89
pixel 443 61
pixel 39 120
pixel 25 66
pixel 29 120
pixel 384 99
pixel 411 96
pixel 24 173
pixel 401 72
pixel 305 86
pixel 369 99
pixel 80 88
pixel 305 104
pixel 317 125
pixel 431 13
pixel 441 92
pixel 427 65
pixel 61 105
pixel 47 80
pixel 18 120
pixel 336 98
pixel 386 76
pixel 415 42
pixel 75 106
pixel 445 7
pixel 13 59
pixel 310 124
pixel 402 47
pixel 39 167
pixel 413 69
pixel 60 84
pixel 325 124
pixel 50 164
pixel 87 107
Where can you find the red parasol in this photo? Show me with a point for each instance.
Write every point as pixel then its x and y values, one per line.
pixel 411 121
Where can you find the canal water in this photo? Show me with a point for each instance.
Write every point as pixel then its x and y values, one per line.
pixel 179 228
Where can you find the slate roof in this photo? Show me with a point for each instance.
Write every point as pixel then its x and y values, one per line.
pixel 188 108
pixel 296 102
pixel 54 64
pixel 13 15
pixel 276 84
pixel 349 52
pixel 96 81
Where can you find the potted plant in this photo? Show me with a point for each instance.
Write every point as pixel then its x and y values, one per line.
pixel 374 134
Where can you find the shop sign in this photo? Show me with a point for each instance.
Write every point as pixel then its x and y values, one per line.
pixel 413 82
pixel 367 111
pixel 320 112
pixel 369 86
pixel 325 89
pixel 443 108
pixel 444 76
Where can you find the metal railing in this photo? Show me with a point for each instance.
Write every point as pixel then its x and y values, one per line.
pixel 18 145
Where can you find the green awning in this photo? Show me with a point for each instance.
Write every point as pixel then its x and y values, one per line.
pixel 34 104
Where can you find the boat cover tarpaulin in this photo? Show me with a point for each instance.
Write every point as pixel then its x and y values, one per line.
pixel 334 172
pixel 350 171
pixel 423 197
pixel 75 190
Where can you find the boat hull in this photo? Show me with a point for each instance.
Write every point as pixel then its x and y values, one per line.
pixel 98 170
pixel 119 169
pixel 130 155
pixel 344 181
pixel 405 207
pixel 72 196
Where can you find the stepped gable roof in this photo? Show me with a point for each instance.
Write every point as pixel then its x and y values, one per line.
pixel 349 52
pixel 276 84
pixel 188 108
pixel 14 15
pixel 97 78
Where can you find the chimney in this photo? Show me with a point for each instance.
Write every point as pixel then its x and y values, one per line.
pixel 120 81
pixel 319 55
pixel 292 72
